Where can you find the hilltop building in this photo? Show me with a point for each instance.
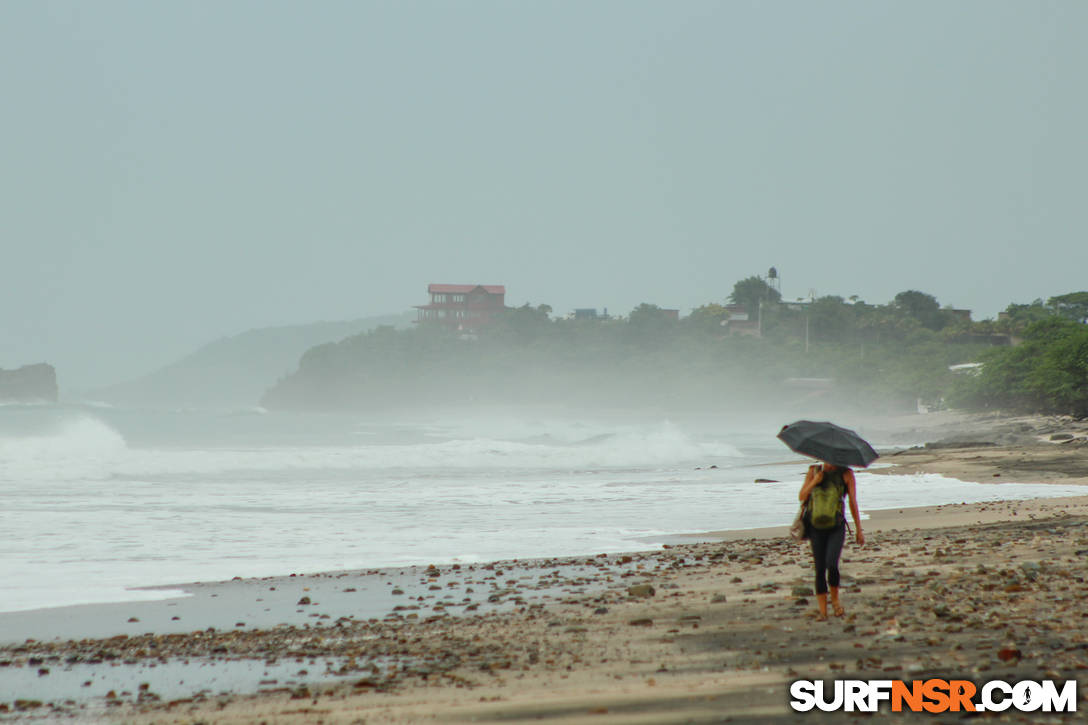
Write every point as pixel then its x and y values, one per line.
pixel 462 306
pixel 737 321
pixel 588 313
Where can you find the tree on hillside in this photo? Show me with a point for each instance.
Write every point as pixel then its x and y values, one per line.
pixel 1073 306
pixel 1018 316
pixel 523 323
pixel 751 291
pixel 708 318
pixel 647 317
pixel 921 307
pixel 831 319
pixel 1047 373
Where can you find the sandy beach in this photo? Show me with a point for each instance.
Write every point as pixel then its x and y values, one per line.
pixel 710 628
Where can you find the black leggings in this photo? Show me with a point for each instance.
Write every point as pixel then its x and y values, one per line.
pixel 826 549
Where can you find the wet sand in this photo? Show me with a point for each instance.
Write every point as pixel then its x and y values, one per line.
pixel 696 632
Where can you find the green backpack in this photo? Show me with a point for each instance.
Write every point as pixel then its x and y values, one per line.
pixel 825 501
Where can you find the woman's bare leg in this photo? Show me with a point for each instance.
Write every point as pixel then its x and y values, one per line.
pixel 835 606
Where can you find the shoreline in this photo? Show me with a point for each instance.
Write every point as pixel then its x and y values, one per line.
pixel 262 602
pixel 709 624
pixel 239 597
pixel 908 428
pixel 720 619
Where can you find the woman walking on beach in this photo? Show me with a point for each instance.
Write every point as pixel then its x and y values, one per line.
pixel 825 526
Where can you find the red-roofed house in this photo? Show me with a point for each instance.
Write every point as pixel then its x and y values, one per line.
pixel 463 306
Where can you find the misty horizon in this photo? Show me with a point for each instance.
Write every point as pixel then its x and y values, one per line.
pixel 327 162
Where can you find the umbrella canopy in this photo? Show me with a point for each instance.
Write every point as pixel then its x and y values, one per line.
pixel 827 442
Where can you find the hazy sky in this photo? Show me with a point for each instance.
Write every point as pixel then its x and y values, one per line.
pixel 177 171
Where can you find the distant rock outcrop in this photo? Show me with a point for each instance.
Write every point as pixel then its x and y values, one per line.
pixel 30 383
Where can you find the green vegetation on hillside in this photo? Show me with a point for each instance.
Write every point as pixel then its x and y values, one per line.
pixel 881 356
pixel 1047 372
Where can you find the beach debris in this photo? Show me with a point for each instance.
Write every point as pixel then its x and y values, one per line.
pixel 1007 654
pixel 946 611
pixel 304 601
pixel 641 591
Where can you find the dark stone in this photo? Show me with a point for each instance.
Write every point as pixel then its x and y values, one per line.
pixel 952 443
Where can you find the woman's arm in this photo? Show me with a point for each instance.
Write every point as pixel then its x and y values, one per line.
pixel 814 475
pixel 852 491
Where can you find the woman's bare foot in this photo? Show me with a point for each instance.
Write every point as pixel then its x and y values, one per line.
pixel 837 609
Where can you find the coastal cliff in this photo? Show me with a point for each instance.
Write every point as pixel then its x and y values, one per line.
pixel 29 383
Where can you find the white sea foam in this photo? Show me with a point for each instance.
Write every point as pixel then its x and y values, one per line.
pixel 88 514
pixel 662 444
pixel 79 447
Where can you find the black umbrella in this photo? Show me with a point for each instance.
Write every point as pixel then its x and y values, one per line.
pixel 827 442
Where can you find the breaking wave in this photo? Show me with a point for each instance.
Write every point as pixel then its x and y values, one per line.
pixel 664 445
pixel 78 447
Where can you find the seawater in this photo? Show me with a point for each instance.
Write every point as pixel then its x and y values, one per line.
pixel 99 500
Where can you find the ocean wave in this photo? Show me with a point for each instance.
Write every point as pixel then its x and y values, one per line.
pixel 663 445
pixel 79 447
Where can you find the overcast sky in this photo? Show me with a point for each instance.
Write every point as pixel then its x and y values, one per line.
pixel 171 172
